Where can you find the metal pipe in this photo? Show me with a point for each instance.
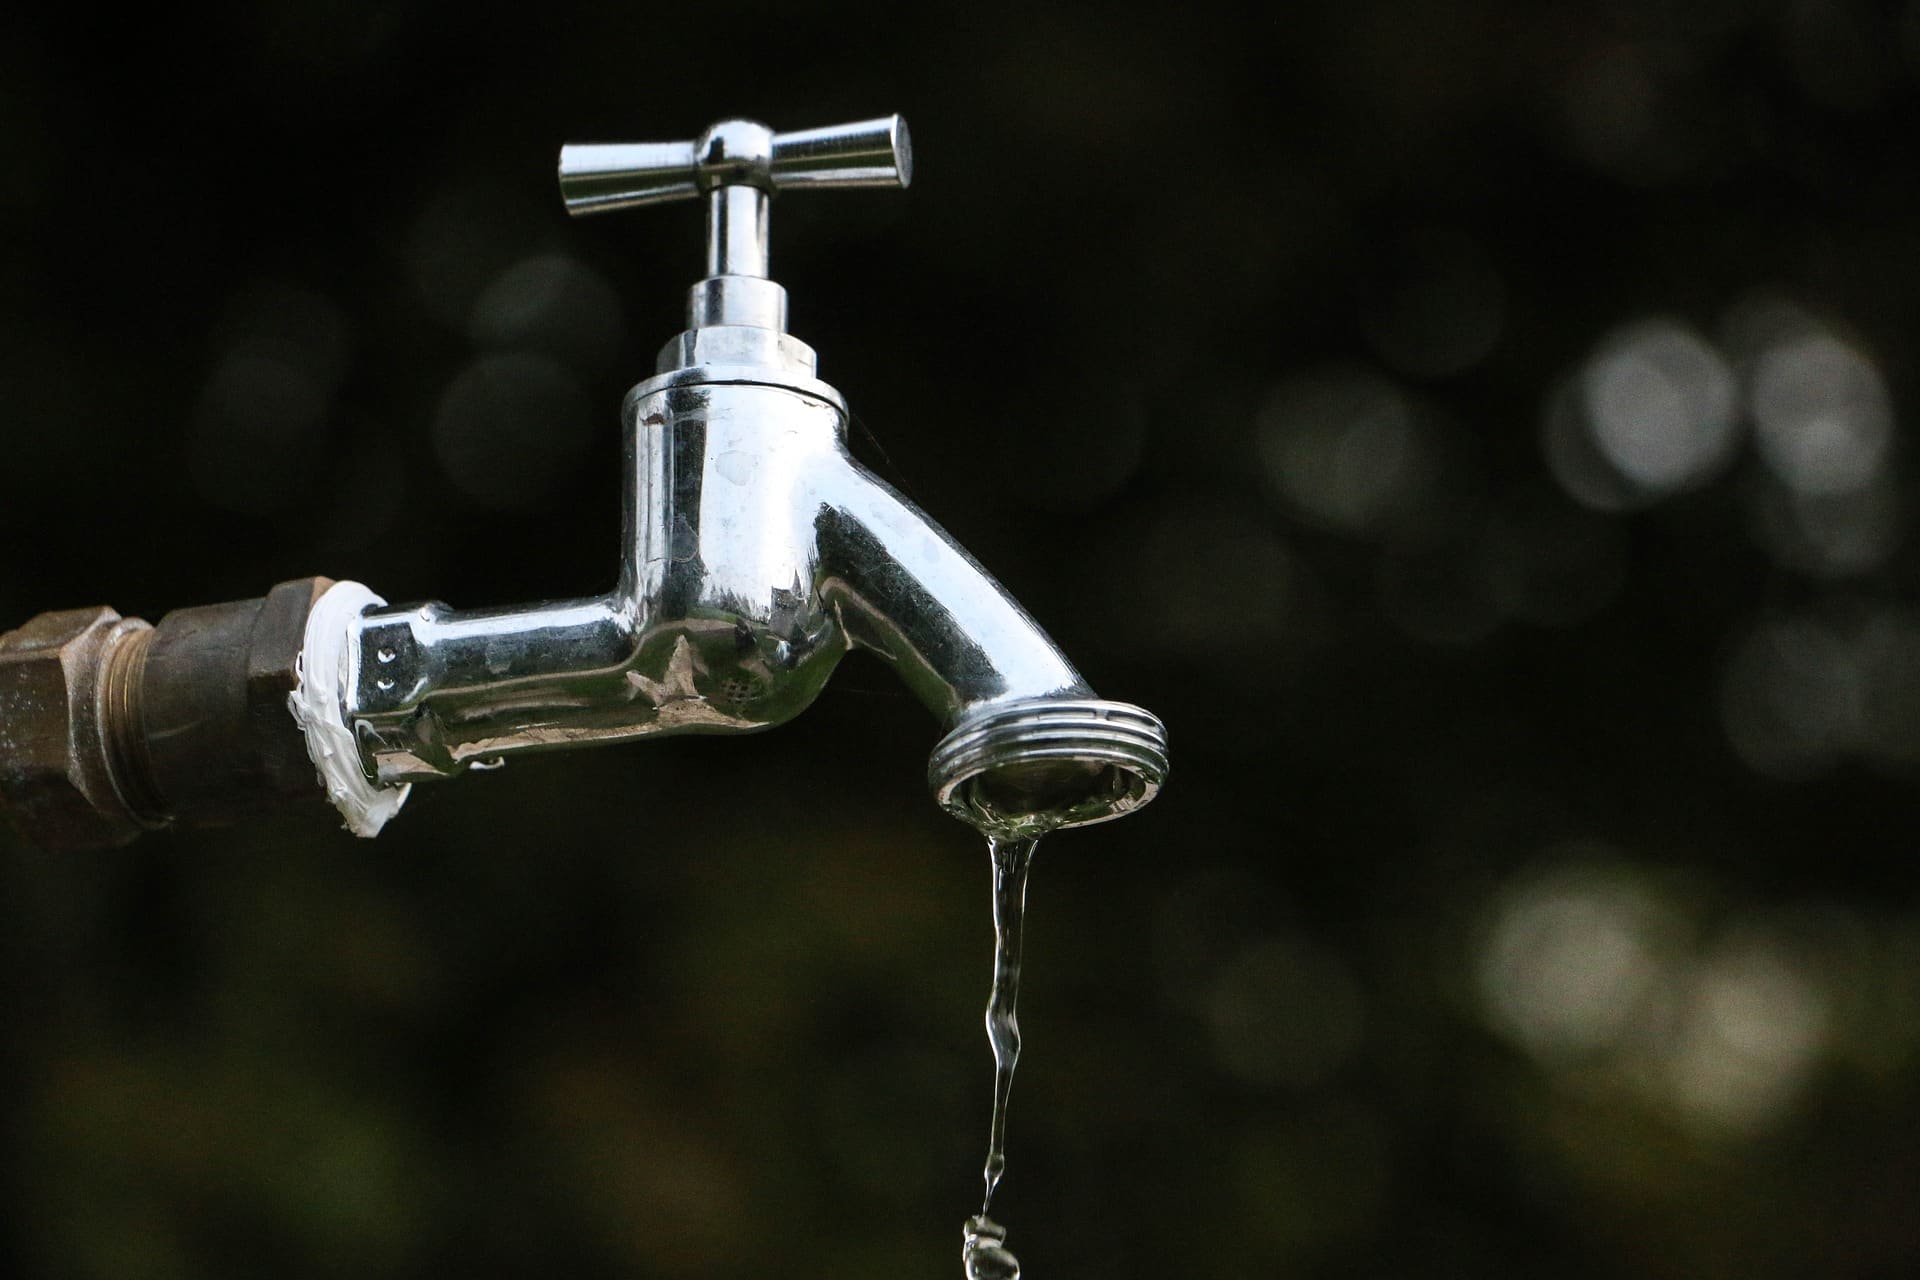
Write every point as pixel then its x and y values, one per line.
pixel 110 727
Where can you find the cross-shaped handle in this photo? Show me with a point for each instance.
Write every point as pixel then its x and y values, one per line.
pixel 737 164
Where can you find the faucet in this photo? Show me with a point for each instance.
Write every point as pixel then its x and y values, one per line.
pixel 756 552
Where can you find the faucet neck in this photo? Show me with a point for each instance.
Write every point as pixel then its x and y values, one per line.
pixel 748 301
pixel 737 290
pixel 737 331
pixel 736 316
pixel 737 217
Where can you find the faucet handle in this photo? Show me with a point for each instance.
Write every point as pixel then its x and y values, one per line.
pixel 602 177
pixel 737 165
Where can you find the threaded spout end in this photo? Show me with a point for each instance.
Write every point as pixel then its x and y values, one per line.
pixel 1040 764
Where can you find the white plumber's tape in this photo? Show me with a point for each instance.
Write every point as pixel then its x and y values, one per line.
pixel 325 672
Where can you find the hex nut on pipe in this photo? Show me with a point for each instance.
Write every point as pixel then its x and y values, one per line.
pixel 63 686
pixel 217 741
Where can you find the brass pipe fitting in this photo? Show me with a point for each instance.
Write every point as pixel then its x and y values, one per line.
pixel 110 727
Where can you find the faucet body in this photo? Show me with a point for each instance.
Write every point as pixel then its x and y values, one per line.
pixel 756 553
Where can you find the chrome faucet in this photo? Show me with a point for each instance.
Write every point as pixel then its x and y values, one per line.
pixel 756 553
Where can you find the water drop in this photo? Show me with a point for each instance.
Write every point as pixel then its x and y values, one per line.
pixel 985 1253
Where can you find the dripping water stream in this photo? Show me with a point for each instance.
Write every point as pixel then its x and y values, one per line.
pixel 1011 859
pixel 984 1251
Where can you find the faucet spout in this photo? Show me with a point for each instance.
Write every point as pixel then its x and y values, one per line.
pixel 1029 746
pixel 907 592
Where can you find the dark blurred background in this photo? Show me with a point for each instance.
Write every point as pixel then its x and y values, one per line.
pixel 1478 428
